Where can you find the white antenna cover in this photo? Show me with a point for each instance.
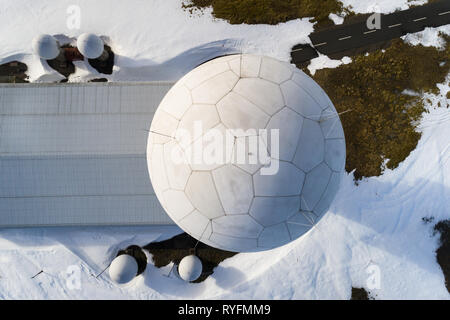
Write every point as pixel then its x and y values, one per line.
pixel 46 46
pixel 90 45
pixel 123 269
pixel 203 148
pixel 190 268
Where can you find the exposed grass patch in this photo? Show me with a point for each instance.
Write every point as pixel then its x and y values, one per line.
pixel 13 72
pixel 268 11
pixel 138 254
pixel 105 67
pixel 176 248
pixel 66 68
pixel 359 294
pixel 443 252
pixel 383 120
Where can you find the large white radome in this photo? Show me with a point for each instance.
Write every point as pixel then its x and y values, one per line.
pixel 234 205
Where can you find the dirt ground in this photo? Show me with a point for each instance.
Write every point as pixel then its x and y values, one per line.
pixel 443 252
pixel 138 254
pixel 359 294
pixel 176 248
pixel 13 72
pixel 105 67
pixel 66 68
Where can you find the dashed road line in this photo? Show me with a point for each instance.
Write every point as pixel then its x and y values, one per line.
pixel 385 32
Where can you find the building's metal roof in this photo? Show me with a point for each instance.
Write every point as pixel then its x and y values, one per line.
pixel 75 154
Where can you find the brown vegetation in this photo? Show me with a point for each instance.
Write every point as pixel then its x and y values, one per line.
pixel 13 72
pixel 443 252
pixel 359 294
pixel 383 120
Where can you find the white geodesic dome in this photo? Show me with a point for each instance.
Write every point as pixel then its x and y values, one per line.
pixel 90 45
pixel 123 269
pixel 190 268
pixel 238 204
pixel 45 46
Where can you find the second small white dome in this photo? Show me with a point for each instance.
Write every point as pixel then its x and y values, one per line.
pixel 123 269
pixel 90 45
pixel 190 268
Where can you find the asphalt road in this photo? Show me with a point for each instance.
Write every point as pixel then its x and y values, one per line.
pixel 356 35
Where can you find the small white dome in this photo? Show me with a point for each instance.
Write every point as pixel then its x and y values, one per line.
pixel 90 45
pixel 123 269
pixel 190 268
pixel 45 46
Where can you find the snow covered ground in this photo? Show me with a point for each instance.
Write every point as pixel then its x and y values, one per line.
pixel 372 237
pixel 152 39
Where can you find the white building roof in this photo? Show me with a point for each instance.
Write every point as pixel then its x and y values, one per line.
pixel 74 154
pixel 232 203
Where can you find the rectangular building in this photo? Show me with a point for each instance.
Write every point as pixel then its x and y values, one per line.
pixel 75 154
